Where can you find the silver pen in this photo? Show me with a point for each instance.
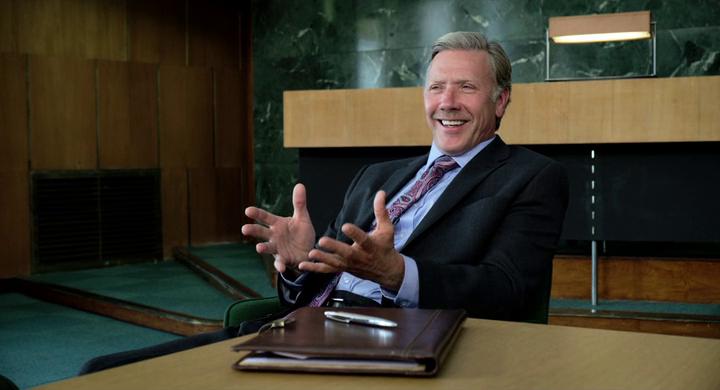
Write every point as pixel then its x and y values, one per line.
pixel 353 318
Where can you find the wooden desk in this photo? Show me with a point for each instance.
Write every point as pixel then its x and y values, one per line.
pixel 488 355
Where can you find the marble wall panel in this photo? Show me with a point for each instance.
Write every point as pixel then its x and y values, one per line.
pixel 273 186
pixel 527 57
pixel 689 52
pixel 610 59
pixel 674 14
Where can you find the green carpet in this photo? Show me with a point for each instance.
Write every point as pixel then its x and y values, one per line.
pixel 163 284
pixel 42 342
pixel 241 263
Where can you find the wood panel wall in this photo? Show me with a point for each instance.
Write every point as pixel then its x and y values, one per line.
pixel 14 198
pixel 156 30
pixel 127 115
pixel 632 278
pixel 682 109
pixel 186 117
pixel 128 84
pixel 63 113
pixel 212 192
pixel 688 280
pixel 13 113
pixel 79 29
pixel 358 117
pixel 175 209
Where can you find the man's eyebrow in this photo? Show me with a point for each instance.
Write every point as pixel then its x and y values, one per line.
pixel 463 81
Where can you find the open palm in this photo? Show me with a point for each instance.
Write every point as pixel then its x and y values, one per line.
pixel 288 239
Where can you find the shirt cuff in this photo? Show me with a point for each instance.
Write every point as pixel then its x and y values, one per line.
pixel 409 293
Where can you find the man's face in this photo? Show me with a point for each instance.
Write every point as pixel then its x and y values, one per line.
pixel 458 100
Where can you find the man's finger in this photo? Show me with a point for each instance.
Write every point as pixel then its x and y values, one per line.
pixel 381 214
pixel 322 262
pixel 256 231
pixel 299 200
pixel 356 234
pixel 307 266
pixel 333 252
pixel 279 264
pixel 261 216
pixel 266 247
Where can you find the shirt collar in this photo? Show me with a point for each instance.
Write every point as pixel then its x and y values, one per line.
pixel 462 159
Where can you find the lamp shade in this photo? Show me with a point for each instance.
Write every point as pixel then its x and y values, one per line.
pixel 600 27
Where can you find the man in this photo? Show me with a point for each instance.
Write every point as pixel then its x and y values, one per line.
pixel 473 224
pixel 480 236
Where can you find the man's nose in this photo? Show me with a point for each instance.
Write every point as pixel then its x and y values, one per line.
pixel 448 100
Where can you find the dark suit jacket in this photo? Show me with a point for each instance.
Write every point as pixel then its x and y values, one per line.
pixel 488 242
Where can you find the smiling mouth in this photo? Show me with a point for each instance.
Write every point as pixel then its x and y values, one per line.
pixel 452 123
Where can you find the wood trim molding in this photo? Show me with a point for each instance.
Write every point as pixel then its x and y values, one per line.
pixel 135 313
pixel 678 109
pixel 670 327
pixel 214 276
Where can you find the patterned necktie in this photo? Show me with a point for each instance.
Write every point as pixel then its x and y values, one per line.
pixel 428 180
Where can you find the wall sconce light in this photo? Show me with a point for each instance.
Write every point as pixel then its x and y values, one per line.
pixel 595 28
pixel 600 28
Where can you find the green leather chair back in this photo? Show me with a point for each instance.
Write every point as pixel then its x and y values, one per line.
pixel 250 309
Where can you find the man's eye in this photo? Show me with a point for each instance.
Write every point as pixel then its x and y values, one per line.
pixel 468 87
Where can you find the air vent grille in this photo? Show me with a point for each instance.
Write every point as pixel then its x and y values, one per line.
pixel 96 216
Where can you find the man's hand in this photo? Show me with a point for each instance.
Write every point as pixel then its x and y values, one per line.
pixel 288 239
pixel 372 255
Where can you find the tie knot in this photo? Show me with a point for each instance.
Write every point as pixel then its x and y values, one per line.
pixel 445 163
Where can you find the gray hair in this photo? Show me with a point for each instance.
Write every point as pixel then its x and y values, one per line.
pixel 465 40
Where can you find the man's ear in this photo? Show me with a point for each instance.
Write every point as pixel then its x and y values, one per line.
pixel 502 102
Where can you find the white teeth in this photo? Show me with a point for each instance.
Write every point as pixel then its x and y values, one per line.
pixel 451 123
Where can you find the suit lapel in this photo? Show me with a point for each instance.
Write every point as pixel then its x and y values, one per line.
pixel 392 185
pixel 487 161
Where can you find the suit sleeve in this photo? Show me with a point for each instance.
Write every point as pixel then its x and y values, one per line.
pixel 509 273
